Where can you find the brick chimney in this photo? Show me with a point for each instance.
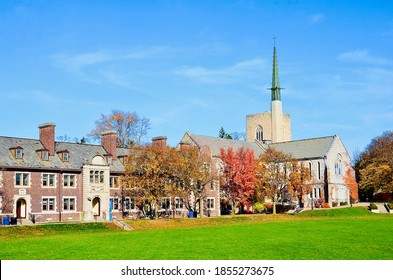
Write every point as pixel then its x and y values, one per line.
pixel 159 141
pixel 109 141
pixel 184 146
pixel 47 136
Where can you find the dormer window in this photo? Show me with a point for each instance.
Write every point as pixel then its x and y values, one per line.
pixel 123 159
pixel 43 154
pixel 64 155
pixel 17 152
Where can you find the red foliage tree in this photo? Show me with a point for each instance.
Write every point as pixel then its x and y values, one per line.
pixel 239 177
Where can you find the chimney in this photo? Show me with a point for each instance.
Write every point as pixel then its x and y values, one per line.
pixel 47 136
pixel 184 146
pixel 109 142
pixel 159 141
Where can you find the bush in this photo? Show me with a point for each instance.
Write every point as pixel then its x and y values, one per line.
pixel 390 205
pixel 268 207
pixel 373 206
pixel 258 207
pixel 342 203
pixel 334 203
pixel 325 205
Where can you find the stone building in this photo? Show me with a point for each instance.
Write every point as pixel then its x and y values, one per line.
pixel 326 157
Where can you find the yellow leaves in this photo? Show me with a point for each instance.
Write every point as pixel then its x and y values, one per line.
pixel 377 176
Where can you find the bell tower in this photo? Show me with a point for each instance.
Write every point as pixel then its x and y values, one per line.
pixel 273 126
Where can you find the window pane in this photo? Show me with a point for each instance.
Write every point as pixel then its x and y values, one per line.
pixel 25 179
pixel 45 204
pixel 18 179
pixel 51 203
pixel 65 203
pixel 51 180
pixel 72 203
pixel 116 203
pixel 45 179
pixel 65 180
pixel 72 180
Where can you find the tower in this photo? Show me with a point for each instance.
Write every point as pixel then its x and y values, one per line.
pixel 273 126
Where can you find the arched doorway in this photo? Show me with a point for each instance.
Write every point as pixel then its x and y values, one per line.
pixel 96 205
pixel 21 208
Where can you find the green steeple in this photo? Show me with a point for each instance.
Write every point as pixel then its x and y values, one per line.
pixel 276 95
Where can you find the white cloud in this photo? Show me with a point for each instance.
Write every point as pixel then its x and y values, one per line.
pixel 222 75
pixel 317 18
pixel 363 56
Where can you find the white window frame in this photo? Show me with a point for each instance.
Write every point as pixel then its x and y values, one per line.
pixel 69 198
pixel 112 182
pixel 48 199
pixel 48 180
pixel 22 179
pixel 97 177
pixel 118 208
pixel 207 203
pixel 19 153
pixel 68 181
pixel 179 201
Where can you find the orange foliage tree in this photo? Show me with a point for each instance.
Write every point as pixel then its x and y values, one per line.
pixel 271 175
pixel 299 180
pixel 238 180
pixel 350 181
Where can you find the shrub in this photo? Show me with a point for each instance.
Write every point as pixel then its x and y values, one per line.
pixel 390 205
pixel 268 207
pixel 258 207
pixel 373 206
pixel 342 203
pixel 334 203
pixel 325 205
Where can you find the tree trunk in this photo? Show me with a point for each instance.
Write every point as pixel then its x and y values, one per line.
pixel 201 207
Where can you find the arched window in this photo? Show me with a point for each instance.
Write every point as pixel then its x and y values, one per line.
pixel 319 170
pixel 339 165
pixel 259 133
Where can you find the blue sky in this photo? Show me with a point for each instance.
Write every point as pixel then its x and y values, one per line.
pixel 197 65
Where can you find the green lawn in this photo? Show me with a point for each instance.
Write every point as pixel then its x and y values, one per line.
pixel 351 233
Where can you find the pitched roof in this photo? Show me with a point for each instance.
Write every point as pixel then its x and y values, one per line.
pixel 80 154
pixel 216 143
pixel 306 148
pixel 300 149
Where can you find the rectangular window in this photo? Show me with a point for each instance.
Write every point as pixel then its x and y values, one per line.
pixel 69 204
pixel 21 179
pixel 114 182
pixel 210 203
pixel 48 204
pixel 66 157
pixel 68 181
pixel 19 153
pixel 45 155
pixel 48 180
pixel 166 203
pixel 96 177
pixel 115 203
pixel 127 203
pixel 178 203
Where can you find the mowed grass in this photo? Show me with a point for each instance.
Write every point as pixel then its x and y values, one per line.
pixel 338 234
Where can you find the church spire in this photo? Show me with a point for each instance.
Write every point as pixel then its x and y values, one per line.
pixel 276 95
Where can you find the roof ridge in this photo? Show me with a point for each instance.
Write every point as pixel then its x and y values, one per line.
pixel 306 139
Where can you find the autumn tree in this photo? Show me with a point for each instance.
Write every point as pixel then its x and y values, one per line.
pixel 238 178
pixel 130 128
pixel 148 174
pixel 191 173
pixel 374 166
pixel 299 180
pixel 350 181
pixel 271 175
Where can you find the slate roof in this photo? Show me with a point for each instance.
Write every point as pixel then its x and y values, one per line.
pixel 80 154
pixel 216 143
pixel 300 149
pixel 306 148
